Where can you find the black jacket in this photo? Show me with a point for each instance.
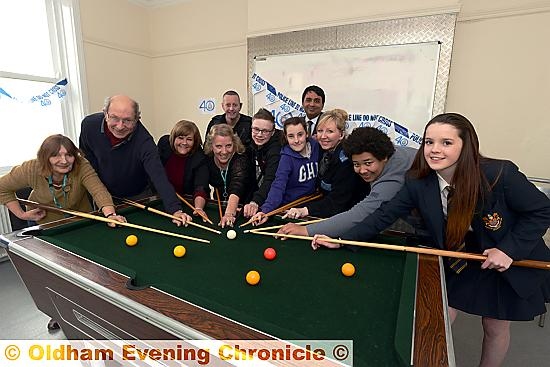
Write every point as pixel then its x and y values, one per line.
pixel 512 217
pixel 267 157
pixel 243 127
pixel 195 178
pixel 305 119
pixel 238 180
pixel 338 183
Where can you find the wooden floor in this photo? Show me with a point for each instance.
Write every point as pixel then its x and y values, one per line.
pixel 530 344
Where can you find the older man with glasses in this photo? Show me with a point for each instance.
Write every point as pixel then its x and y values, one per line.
pixel 124 155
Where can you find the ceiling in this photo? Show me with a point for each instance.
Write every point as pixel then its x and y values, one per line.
pixel 156 3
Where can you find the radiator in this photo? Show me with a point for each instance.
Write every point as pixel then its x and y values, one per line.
pixel 5 225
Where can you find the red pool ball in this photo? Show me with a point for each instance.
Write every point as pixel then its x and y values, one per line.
pixel 270 253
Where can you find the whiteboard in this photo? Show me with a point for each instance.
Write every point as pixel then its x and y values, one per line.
pixel 389 87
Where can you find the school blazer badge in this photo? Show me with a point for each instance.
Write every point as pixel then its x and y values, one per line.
pixel 492 221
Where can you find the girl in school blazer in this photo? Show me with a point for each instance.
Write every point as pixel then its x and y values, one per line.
pixel 494 210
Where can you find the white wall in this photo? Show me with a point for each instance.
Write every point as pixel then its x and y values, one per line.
pixel 169 58
pixel 500 79
pixel 199 50
pixel 116 36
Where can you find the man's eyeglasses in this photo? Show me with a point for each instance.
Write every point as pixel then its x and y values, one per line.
pixel 115 119
pixel 255 130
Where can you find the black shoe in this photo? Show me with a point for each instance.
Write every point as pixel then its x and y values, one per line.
pixel 53 325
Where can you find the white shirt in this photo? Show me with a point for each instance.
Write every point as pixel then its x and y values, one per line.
pixel 313 122
pixel 444 189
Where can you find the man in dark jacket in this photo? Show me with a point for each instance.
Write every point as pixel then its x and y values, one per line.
pixel 124 155
pixel 231 105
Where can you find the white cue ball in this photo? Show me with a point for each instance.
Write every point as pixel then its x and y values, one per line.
pixel 231 234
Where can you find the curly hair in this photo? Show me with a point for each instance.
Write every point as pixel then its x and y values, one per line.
pixel 371 140
pixel 222 130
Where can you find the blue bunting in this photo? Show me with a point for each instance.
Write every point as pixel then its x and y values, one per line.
pixel 56 92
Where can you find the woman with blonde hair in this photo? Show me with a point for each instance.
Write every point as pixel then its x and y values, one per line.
pixel 229 171
pixel 336 179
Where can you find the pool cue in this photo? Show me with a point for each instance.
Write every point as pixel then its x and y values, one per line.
pixel 107 220
pixel 299 201
pixel 219 204
pixel 160 212
pixel 281 225
pixel 203 216
pixel 536 264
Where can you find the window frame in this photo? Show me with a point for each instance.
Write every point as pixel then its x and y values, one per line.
pixel 67 49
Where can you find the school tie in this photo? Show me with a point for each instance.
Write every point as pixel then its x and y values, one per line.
pixel 457 265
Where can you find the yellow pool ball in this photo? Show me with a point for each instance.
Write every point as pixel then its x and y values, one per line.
pixel 131 240
pixel 252 277
pixel 348 269
pixel 179 251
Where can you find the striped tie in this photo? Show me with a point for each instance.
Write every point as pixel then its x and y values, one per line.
pixel 309 125
pixel 457 265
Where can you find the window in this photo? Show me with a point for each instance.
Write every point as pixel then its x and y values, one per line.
pixel 41 46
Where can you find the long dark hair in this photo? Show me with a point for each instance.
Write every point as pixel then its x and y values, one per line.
pixel 468 180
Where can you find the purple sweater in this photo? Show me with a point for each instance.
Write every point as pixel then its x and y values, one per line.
pixel 296 177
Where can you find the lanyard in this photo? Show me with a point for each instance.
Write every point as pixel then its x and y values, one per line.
pixel 223 173
pixel 63 185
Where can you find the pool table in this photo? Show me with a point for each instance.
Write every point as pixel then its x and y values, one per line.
pixel 83 274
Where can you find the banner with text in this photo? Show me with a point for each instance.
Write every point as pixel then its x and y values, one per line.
pixel 45 98
pixel 73 353
pixel 283 107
